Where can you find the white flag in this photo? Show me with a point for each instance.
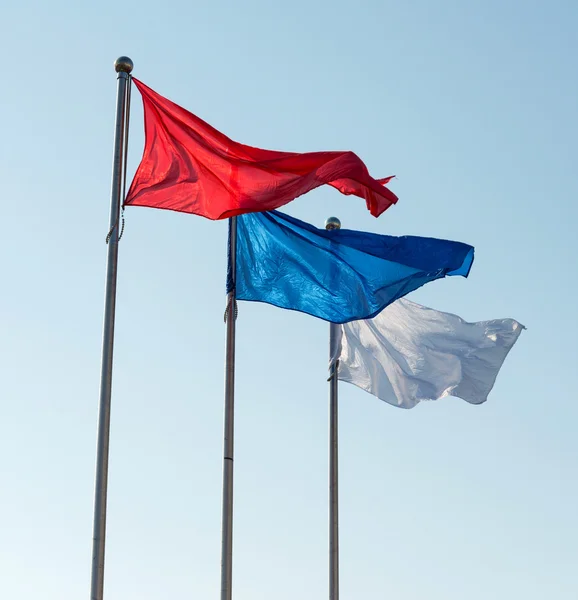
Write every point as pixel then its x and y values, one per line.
pixel 409 353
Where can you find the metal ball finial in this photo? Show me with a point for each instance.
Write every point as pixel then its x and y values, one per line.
pixel 123 64
pixel 332 223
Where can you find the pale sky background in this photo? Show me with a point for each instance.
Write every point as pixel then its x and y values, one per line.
pixel 473 106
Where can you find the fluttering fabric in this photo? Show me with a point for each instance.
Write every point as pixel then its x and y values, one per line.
pixel 339 275
pixel 189 166
pixel 409 353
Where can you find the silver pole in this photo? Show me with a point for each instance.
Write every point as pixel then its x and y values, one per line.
pixel 227 522
pixel 333 223
pixel 123 67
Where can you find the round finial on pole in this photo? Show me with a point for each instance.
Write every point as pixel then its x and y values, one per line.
pixel 123 64
pixel 332 223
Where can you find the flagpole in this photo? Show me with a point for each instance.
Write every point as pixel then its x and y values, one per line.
pixel 123 66
pixel 330 224
pixel 227 522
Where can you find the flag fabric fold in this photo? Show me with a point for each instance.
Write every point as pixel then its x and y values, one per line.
pixel 409 353
pixel 189 166
pixel 338 275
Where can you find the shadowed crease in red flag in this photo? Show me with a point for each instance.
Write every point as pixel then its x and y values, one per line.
pixel 188 166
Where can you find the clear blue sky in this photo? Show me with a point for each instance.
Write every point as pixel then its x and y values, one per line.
pixel 473 106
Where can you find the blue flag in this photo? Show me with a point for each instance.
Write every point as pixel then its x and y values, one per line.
pixel 337 275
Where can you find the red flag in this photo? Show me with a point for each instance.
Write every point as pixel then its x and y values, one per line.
pixel 189 166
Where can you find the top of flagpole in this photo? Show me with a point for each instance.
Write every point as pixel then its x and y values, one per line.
pixel 123 64
pixel 332 223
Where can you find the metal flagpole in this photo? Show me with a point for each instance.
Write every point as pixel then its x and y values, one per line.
pixel 123 67
pixel 227 522
pixel 333 223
